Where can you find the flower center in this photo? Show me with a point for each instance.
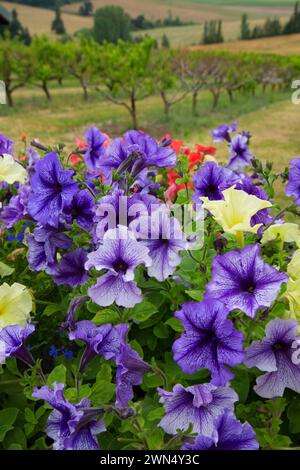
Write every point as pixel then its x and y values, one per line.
pixel 248 286
pixel 120 266
pixel 280 346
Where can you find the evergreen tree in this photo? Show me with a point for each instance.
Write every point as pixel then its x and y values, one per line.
pixel 58 26
pixel 86 9
pixel 245 28
pixel 111 23
pixel 15 27
pixel 165 41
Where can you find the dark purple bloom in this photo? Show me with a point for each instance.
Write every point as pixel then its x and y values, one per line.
pixel 292 188
pixel 16 210
pixel 277 355
pixel 209 341
pixel 243 281
pixel 70 322
pixel 33 157
pixel 6 145
pixel 70 271
pixel 198 405
pixel 95 148
pixel 130 369
pixel 229 434
pixel 82 209
pixel 240 153
pixel 119 254
pixel 211 180
pixel 53 351
pixel 12 340
pixel 72 427
pixel 52 190
pixel 223 132
pixel 163 236
pixel 43 245
pixel 102 340
pixel 136 151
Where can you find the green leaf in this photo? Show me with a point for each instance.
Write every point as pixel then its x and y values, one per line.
pixel 57 375
pixel 7 419
pixel 152 380
pixel 241 383
pixel 195 294
pixel 5 270
pixel 175 324
pixel 72 394
pixel 103 390
pixel 51 309
pixel 156 414
pixel 141 312
pixel 293 414
pixel 161 331
pixel 106 315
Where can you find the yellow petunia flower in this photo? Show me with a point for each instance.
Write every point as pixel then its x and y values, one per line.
pixel 293 268
pixel 286 232
pixel 234 213
pixel 10 170
pixel 292 294
pixel 15 305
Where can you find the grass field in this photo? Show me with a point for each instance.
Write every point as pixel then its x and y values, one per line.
pixel 38 20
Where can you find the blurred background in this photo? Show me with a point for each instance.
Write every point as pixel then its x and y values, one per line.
pixel 178 67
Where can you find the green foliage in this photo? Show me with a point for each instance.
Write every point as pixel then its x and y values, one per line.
pixel 111 23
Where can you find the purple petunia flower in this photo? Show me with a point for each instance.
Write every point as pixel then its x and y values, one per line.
pixel 52 190
pixel 70 271
pixel 292 188
pixel 243 281
pixel 72 427
pixel 130 369
pixel 6 145
pixel 163 236
pixel 198 405
pixel 12 340
pixel 240 153
pixel 82 209
pixel 211 180
pixel 16 210
pixel 209 341
pixel 117 208
pixel 43 245
pixel 223 132
pixel 70 321
pixel 134 152
pixel 102 340
pixel 275 355
pixel 229 434
pixel 120 254
pixel 33 157
pixel 95 148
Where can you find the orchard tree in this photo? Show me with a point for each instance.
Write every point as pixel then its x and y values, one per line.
pixel 111 23
pixel 80 59
pixel 168 78
pixel 48 63
pixel 15 65
pixel 125 74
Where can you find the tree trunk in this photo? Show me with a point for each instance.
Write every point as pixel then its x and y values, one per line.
pixel 9 97
pixel 46 91
pixel 215 100
pixel 84 88
pixel 166 104
pixel 194 102
pixel 133 111
pixel 230 95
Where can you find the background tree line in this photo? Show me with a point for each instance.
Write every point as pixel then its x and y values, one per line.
pixel 125 73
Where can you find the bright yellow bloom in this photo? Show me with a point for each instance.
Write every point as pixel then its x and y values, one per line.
pixel 10 170
pixel 235 211
pixel 293 268
pixel 15 304
pixel 292 294
pixel 286 232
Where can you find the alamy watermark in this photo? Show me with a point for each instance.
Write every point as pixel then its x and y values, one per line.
pixel 2 92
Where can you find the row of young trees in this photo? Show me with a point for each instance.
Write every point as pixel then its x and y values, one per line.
pixel 125 73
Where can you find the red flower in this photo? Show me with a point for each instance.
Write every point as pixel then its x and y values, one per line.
pixel 206 149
